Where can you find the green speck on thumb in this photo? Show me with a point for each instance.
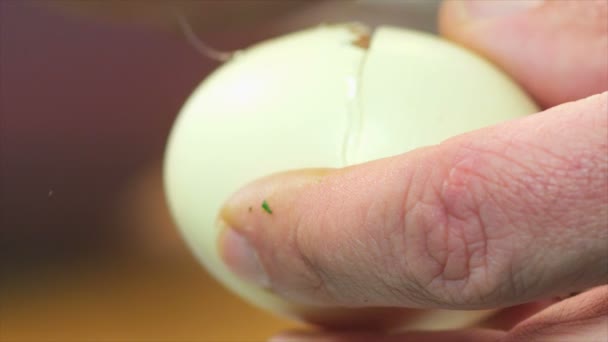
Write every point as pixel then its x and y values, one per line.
pixel 266 207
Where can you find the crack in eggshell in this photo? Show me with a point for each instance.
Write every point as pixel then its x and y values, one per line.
pixel 363 37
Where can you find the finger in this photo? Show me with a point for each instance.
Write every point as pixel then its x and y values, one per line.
pixel 497 217
pixel 506 319
pixel 580 318
pixel 558 50
pixel 473 335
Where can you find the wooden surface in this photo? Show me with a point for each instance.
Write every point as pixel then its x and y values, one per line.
pixel 132 300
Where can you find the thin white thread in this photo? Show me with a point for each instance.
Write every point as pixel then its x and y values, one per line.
pixel 199 45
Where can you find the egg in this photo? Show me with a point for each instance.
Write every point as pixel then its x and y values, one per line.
pixel 328 96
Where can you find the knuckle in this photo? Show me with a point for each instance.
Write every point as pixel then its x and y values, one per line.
pixel 452 231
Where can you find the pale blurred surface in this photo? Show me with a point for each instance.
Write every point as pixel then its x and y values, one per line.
pixel 88 251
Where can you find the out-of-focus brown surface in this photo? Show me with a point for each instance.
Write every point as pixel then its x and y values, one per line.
pixel 88 251
pixel 203 15
pixel 130 300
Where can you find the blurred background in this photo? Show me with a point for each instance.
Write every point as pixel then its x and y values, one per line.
pixel 88 93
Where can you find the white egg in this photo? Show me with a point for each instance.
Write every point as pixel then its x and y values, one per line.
pixel 324 97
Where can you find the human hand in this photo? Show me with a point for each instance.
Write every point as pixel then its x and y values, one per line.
pixel 510 214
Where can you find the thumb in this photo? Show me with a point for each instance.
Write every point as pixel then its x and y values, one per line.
pixel 556 49
pixel 496 217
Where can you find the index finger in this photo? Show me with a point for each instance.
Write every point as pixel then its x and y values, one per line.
pixel 556 49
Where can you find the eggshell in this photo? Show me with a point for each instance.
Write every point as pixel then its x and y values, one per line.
pixel 322 98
